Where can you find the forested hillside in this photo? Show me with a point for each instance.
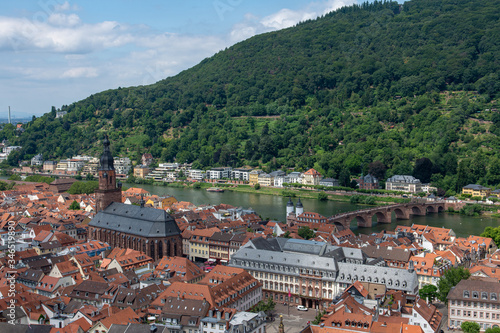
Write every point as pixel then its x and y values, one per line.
pixel 392 88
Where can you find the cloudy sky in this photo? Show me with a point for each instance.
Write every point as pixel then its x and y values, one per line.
pixel 55 52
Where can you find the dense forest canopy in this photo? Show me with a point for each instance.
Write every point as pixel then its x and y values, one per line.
pixel 379 87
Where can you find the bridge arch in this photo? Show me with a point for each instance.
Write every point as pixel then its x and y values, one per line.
pixel 382 216
pixel 340 226
pixel 362 222
pixel 415 210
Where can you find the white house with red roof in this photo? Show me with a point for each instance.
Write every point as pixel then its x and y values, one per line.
pixel 311 177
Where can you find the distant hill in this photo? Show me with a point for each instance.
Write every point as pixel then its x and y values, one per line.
pixel 399 84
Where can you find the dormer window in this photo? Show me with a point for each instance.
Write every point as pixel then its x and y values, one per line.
pixel 484 295
pixel 493 296
pixel 475 294
pixel 466 294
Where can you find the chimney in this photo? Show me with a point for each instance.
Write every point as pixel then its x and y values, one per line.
pixel 211 313
pixel 226 315
pixel 218 315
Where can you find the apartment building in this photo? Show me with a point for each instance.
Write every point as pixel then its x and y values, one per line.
pixel 196 174
pixel 122 165
pixel 475 300
pixel 219 173
pixel 403 183
pixel 241 174
pixel 141 171
pixel 476 190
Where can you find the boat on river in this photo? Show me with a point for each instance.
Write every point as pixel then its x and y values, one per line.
pixel 214 189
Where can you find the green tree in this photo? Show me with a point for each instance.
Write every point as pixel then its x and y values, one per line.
pixel 266 306
pixel 492 330
pixel 306 232
pixel 345 178
pixel 39 179
pixel 493 233
pixel 286 234
pixel 470 327
pixel 83 187
pixel 322 196
pixel 4 186
pixel 423 169
pixel 471 210
pixel 450 279
pixel 15 176
pixel 74 205
pixel 317 319
pixel 257 186
pixel 377 169
pixel 428 292
pixel 370 200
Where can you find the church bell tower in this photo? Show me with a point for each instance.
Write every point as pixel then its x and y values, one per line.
pixel 108 191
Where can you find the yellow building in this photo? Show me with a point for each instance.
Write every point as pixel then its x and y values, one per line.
pixel 476 190
pixel 265 179
pixel 141 171
pixel 199 243
pixel 253 177
pixel 167 202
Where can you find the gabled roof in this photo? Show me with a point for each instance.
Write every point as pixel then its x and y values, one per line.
pixel 136 220
pixel 123 317
pixel 312 172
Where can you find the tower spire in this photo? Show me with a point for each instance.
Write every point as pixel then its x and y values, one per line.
pixel 108 192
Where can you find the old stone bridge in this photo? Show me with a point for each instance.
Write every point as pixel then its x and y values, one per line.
pixel 383 214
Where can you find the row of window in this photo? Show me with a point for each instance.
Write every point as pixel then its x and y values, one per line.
pixel 280 277
pixel 475 314
pixel 475 304
pixel 284 268
pixel 484 295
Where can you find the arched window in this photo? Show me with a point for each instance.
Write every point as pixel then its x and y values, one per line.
pixel 160 249
pixel 152 250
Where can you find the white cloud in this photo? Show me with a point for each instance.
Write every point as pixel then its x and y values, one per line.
pixel 66 6
pixel 79 72
pixel 284 18
pixel 59 19
pixel 62 34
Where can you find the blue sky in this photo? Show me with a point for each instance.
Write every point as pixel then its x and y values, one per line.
pixel 55 52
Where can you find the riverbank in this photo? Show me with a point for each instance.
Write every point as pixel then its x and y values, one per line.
pixel 303 193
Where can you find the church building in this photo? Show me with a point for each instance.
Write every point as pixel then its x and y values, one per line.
pixel 152 231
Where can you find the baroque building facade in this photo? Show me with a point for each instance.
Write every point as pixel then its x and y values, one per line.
pixel 313 273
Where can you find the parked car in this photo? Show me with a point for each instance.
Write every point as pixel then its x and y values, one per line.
pixel 301 308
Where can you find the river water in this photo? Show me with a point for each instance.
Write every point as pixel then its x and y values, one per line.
pixel 274 207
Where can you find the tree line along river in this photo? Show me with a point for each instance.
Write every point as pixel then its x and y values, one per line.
pixel 274 207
